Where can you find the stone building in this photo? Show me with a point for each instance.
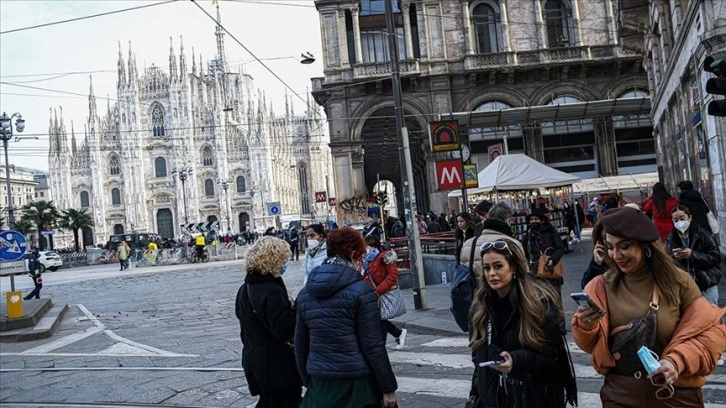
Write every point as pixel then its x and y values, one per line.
pixel 22 186
pixel 678 36
pixel 568 89
pixel 206 119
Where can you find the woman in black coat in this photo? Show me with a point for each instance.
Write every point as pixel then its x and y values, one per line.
pixel 519 351
pixel 696 251
pixel 464 231
pixel 267 327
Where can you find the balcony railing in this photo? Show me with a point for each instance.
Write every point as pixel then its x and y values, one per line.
pixel 504 59
pixel 381 69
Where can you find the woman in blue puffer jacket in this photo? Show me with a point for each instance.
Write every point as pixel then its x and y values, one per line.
pixel 339 349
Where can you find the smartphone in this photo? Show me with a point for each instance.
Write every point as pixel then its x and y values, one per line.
pixel 582 299
pixel 491 363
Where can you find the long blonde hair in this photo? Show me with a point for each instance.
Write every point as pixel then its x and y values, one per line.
pixel 668 275
pixel 535 298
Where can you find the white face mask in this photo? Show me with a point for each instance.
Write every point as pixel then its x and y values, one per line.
pixel 313 243
pixel 682 225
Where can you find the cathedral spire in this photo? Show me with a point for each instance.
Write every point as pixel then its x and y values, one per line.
pixel 133 73
pixel 74 146
pixel 194 63
pixel 52 135
pixel 62 136
pixel 219 33
pixel 172 61
pixel 121 68
pixel 182 60
pixel 287 106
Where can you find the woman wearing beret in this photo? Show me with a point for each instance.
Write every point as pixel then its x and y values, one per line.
pixel 696 251
pixel 515 323
pixel 267 326
pixel 648 300
pixel 340 352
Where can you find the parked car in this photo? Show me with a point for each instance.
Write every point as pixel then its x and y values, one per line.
pixel 48 260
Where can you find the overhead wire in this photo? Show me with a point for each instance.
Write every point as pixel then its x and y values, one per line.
pixel 70 20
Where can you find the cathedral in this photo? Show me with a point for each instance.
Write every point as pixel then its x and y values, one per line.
pixel 187 146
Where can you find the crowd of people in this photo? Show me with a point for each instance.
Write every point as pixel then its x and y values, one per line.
pixel 652 285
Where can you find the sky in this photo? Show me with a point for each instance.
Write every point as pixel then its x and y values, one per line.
pixel 276 31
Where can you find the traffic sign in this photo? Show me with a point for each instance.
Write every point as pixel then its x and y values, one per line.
pixel 12 245
pixel 12 268
pixel 274 208
pixel 49 232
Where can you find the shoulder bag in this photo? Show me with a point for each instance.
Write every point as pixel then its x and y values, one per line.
pixel 391 303
pixel 625 340
pixel 712 220
pixel 542 270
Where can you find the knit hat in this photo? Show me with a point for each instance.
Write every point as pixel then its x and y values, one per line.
pixel 629 223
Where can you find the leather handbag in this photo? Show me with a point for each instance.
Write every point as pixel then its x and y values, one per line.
pixel 625 340
pixel 556 271
pixel 390 303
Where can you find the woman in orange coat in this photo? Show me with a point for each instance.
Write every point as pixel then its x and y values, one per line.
pixel 381 271
pixel 644 285
pixel 660 205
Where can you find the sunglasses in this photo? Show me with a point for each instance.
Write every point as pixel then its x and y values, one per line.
pixel 498 245
pixel 664 388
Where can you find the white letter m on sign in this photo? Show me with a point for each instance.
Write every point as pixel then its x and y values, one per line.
pixel 448 174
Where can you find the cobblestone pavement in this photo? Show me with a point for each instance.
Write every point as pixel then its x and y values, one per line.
pixel 168 336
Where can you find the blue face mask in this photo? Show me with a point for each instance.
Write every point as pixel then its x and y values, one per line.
pixel 284 269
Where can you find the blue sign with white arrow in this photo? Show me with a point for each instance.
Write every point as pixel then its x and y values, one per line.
pixel 274 208
pixel 12 245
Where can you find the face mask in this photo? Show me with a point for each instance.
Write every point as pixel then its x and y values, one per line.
pixel 535 226
pixel 284 269
pixel 682 225
pixel 313 243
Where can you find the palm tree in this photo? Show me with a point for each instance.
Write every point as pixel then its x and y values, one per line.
pixel 40 214
pixel 76 220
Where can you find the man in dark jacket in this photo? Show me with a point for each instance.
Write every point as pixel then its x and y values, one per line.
pixel 34 272
pixel 692 199
pixel 445 227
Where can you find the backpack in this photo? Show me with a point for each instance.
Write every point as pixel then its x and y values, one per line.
pixel 463 286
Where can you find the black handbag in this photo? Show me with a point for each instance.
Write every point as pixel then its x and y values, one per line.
pixel 626 340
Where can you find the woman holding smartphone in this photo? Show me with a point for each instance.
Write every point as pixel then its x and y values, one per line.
pixel 649 301
pixel 696 251
pixel 518 348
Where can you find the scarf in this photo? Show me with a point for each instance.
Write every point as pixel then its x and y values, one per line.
pixel 313 251
pixel 369 257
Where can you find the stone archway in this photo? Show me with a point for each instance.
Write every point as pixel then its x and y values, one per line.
pixel 118 229
pixel 380 144
pixel 244 219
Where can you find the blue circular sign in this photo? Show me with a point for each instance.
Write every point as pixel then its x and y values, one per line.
pixel 12 245
pixel 274 210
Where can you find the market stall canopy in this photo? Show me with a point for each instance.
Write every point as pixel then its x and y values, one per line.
pixel 616 183
pixel 513 172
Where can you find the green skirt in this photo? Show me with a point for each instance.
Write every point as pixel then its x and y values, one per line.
pixel 351 393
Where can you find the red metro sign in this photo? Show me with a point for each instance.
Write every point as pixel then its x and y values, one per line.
pixel 449 174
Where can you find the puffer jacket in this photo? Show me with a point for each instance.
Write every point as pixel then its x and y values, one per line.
pixel 338 329
pixel 384 271
pixel 705 263
pixel 488 231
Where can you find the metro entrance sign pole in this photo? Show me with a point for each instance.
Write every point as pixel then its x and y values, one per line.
pixel 404 158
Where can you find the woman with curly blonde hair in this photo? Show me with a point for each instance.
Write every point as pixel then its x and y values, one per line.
pixel 267 326
pixel 518 347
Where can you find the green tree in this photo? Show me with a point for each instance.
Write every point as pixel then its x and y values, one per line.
pixel 39 214
pixel 23 226
pixel 76 220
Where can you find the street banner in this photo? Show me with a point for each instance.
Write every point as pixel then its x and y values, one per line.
pixel 471 178
pixel 321 197
pixel 449 174
pixel 495 151
pixel 444 135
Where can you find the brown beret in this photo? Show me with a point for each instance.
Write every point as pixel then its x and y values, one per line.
pixel 626 222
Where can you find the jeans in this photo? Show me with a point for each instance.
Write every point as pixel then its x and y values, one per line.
pixel 711 294
pixel 577 230
pixel 389 328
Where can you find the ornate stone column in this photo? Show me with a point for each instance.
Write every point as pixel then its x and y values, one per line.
pixel 541 31
pixel 407 33
pixel 576 18
pixel 467 27
pixel 505 26
pixel 356 35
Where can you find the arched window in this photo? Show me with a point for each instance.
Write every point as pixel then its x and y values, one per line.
pixel 160 167
pixel 116 196
pixel 207 159
pixel 118 229
pixel 157 121
pixel 113 166
pixel 85 199
pixel 557 21
pixel 485 28
pixel 510 136
pixel 209 187
pixel 241 187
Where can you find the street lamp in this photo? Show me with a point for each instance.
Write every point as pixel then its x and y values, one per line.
pixel 6 132
pixel 183 173
pixel 225 185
